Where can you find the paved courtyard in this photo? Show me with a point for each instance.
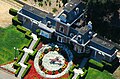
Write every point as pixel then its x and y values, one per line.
pixel 47 61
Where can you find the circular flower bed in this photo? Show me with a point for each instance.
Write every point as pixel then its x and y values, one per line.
pixel 51 62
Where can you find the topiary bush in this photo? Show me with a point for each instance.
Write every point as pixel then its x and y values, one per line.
pixel 13 11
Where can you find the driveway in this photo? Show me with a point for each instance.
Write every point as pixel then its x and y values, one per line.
pixel 6 75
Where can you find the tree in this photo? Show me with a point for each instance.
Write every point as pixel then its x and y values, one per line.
pixel 54 10
pixel 59 5
pixel 49 3
pixel 98 11
pixel 64 2
pixel 40 4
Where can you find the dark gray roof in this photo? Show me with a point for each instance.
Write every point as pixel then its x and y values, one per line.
pixel 71 5
pixel 103 43
pixel 35 11
pixel 50 15
pixel 82 30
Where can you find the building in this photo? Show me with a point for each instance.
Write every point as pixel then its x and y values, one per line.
pixel 68 27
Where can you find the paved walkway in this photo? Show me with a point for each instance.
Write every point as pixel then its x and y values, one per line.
pixel 29 50
pixel 36 65
pixel 9 67
pixel 77 72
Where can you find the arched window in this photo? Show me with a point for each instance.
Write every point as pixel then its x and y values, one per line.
pixel 61 29
pixel 77 10
pixel 79 37
pixel 71 34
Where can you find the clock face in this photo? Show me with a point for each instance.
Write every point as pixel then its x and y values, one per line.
pixel 53 61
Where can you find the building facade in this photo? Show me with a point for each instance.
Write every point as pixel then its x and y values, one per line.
pixel 68 27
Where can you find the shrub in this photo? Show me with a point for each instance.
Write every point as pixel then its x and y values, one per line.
pixel 36 44
pixel 13 11
pixel 54 10
pixel 60 70
pixel 85 72
pixel 71 75
pixel 32 56
pixel 71 69
pixel 40 4
pixel 46 51
pixel 27 58
pixel 78 77
pixel 28 36
pixel 20 56
pixel 15 21
pixel 22 29
pixel 26 70
pixel 38 31
pixel 95 64
pixel 17 71
pixel 16 66
pixel 107 63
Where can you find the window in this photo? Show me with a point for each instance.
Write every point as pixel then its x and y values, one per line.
pixel 77 10
pixel 60 39
pixel 61 29
pixel 82 49
pixel 79 37
pixel 71 35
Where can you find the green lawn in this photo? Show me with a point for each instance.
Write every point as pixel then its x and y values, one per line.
pixel 96 74
pixel 10 37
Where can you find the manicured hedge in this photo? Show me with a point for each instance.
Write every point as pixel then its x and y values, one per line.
pixel 28 36
pixel 26 71
pixel 28 66
pixel 22 29
pixel 19 58
pixel 17 71
pixel 71 69
pixel 107 63
pixel 26 60
pixel 78 77
pixel 32 56
pixel 85 72
pixel 16 65
pixel 36 44
pixel 71 75
pixel 95 64
pixel 13 11
pixel 74 66
pixel 15 21
pixel 38 31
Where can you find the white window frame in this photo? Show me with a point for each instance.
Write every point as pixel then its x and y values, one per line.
pixel 60 40
pixel 60 29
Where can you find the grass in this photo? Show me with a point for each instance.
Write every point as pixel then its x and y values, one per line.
pixel 10 37
pixel 96 74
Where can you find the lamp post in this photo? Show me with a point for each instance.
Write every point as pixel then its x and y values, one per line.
pixel 15 52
